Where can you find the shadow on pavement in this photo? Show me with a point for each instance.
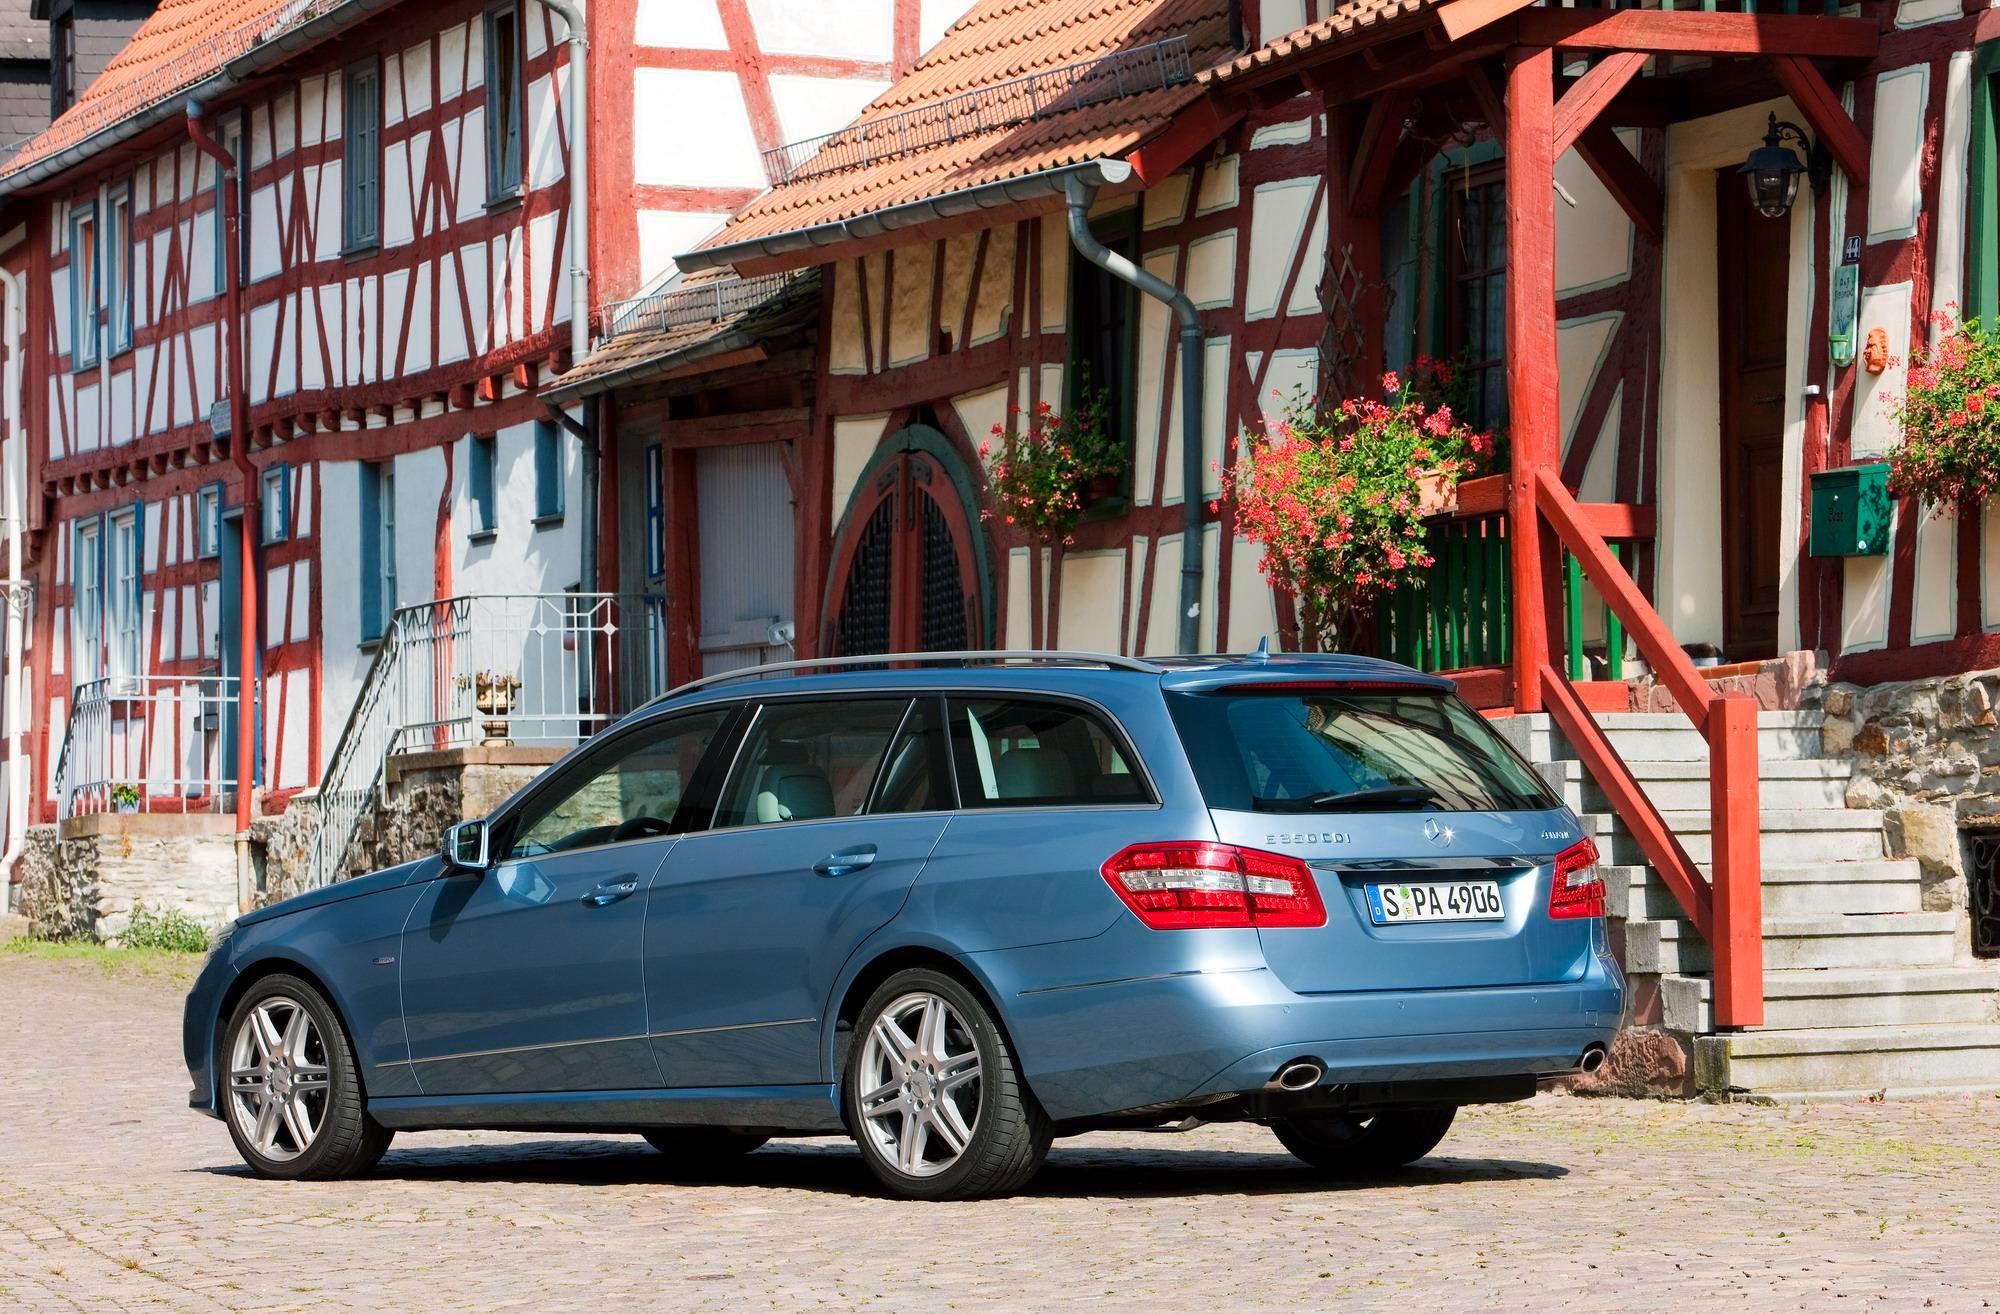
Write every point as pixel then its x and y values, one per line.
pixel 835 1167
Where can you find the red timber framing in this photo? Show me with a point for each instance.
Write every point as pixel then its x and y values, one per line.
pixel 1499 60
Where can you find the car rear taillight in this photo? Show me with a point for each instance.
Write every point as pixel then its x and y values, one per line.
pixel 1578 888
pixel 1183 885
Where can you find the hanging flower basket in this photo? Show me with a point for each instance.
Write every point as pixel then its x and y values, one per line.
pixel 1949 417
pixel 1337 499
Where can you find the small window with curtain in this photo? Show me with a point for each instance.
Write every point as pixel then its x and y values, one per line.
pixel 118 268
pixel 656 512
pixel 548 473
pixel 503 102
pixel 484 478
pixel 84 286
pixel 1476 267
pixel 361 206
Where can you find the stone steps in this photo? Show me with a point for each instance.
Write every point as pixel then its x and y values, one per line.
pixel 1791 836
pixel 1665 736
pixel 1636 893
pixel 1816 1061
pixel 1684 786
pixel 1847 997
pixel 1672 948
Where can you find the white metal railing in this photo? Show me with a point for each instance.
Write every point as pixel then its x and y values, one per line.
pixel 543 669
pixel 709 301
pixel 147 743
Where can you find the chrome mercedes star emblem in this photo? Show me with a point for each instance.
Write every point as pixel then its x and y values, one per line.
pixel 1438 833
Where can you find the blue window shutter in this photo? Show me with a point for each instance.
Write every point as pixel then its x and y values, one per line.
pixel 371 553
pixel 548 470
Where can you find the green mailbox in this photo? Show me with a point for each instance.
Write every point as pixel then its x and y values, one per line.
pixel 1851 512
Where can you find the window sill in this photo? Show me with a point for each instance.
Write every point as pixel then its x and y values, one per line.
pixel 505 201
pixel 550 521
pixel 362 250
pixel 482 535
pixel 369 645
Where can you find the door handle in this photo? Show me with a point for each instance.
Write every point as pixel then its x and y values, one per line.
pixel 846 862
pixel 612 891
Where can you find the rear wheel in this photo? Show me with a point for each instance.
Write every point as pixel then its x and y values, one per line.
pixel 934 1097
pixel 291 1091
pixel 1358 1146
pixel 703 1149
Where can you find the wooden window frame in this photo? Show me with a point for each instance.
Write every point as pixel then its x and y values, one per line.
pixel 506 169
pixel 377 506
pixel 1982 227
pixel 361 194
pixel 84 301
pixel 1121 232
pixel 282 476
pixel 1457 184
pixel 120 264
pixel 62 61
pixel 548 473
pixel 483 475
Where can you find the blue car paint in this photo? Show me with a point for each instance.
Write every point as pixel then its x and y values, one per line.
pixel 1105 1014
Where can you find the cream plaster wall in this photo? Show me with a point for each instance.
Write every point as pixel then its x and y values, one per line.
pixel 1093 597
pixel 854 440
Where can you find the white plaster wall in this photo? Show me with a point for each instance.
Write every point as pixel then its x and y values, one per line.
pixel 343 662
pixel 854 440
pixel 1253 612
pixel 1593 236
pixel 1093 596
pixel 522 557
pixel 1895 152
pixel 1279 213
pixel 723 154
pixel 1877 395
pixel 1934 600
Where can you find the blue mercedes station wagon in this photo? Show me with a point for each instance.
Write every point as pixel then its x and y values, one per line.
pixel 952 907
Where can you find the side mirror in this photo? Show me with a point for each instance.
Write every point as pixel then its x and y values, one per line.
pixel 465 846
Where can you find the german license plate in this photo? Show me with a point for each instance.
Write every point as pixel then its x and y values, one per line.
pixel 1435 901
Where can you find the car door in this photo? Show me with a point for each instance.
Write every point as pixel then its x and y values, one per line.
pixel 828 814
pixel 526 977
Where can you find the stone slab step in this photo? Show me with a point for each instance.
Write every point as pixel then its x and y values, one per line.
pixel 1808 890
pixel 1847 997
pixel 1841 1059
pixel 1674 948
pixel 1664 736
pixel 1790 836
pixel 1684 786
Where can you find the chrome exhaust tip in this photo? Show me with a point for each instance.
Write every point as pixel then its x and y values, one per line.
pixel 1299 1074
pixel 1593 1059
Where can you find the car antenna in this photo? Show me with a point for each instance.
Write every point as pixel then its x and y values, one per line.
pixel 1262 652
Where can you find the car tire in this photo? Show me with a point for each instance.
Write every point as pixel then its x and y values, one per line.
pixel 1361 1147
pixel 702 1151
pixel 933 1078
pixel 290 1088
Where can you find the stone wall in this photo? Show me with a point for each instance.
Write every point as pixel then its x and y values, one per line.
pixel 81 880
pixel 1926 752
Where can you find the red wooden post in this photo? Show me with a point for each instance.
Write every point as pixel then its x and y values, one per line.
pixel 1532 368
pixel 1735 823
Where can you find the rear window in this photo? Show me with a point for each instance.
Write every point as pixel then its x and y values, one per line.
pixel 1339 750
pixel 1024 753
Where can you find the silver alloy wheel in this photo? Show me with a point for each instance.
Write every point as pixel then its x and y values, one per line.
pixel 920 1084
pixel 278 1078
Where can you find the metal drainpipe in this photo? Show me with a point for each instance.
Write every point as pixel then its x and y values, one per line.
pixel 16 507
pixel 239 451
pixel 1079 194
pixel 577 175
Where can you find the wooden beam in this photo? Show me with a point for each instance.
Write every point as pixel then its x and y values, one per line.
pixel 1619 521
pixel 1584 101
pixel 1532 372
pixel 1375 151
pixel 1625 178
pixel 1699 32
pixel 1737 908
pixel 1817 101
pixel 1193 129
pixel 1490 97
pixel 1461 18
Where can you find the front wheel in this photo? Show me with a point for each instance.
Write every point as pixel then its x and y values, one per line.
pixel 1358 1147
pixel 934 1097
pixel 291 1092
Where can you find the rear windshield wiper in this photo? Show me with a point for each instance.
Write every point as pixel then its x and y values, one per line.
pixel 1335 800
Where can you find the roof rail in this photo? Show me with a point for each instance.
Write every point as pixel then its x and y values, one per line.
pixel 998 656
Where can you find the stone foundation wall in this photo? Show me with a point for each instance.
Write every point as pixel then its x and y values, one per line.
pixel 81 880
pixel 1926 752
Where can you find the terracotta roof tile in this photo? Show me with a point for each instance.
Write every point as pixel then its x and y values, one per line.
pixel 633 355
pixel 182 43
pixel 996 42
pixel 1349 18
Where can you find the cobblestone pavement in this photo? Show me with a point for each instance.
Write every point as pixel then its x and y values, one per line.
pixel 114 1197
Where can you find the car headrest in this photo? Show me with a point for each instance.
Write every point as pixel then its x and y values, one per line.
pixel 794 792
pixel 1034 773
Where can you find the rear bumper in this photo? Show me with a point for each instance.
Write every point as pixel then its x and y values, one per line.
pixel 1098 1049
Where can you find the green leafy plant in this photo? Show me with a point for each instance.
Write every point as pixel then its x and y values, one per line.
pixel 1039 473
pixel 1949 416
pixel 125 796
pixel 172 930
pixel 1335 497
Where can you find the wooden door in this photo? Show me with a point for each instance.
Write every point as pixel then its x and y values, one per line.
pixel 905 565
pixel 1753 264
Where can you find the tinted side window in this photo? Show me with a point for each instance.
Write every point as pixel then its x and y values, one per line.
pixel 805 760
pixel 634 791
pixel 917 775
pixel 1018 752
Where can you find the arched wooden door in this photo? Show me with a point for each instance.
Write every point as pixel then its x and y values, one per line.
pixel 908 569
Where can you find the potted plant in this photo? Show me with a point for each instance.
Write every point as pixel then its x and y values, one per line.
pixel 1044 474
pixel 1337 499
pixel 1949 417
pixel 125 798
pixel 492 693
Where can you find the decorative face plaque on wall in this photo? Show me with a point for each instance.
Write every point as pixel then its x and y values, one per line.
pixel 1842 313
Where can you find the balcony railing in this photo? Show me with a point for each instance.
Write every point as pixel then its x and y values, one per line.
pixel 534 669
pixel 148 743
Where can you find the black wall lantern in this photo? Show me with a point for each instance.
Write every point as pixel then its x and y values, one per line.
pixel 1773 169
